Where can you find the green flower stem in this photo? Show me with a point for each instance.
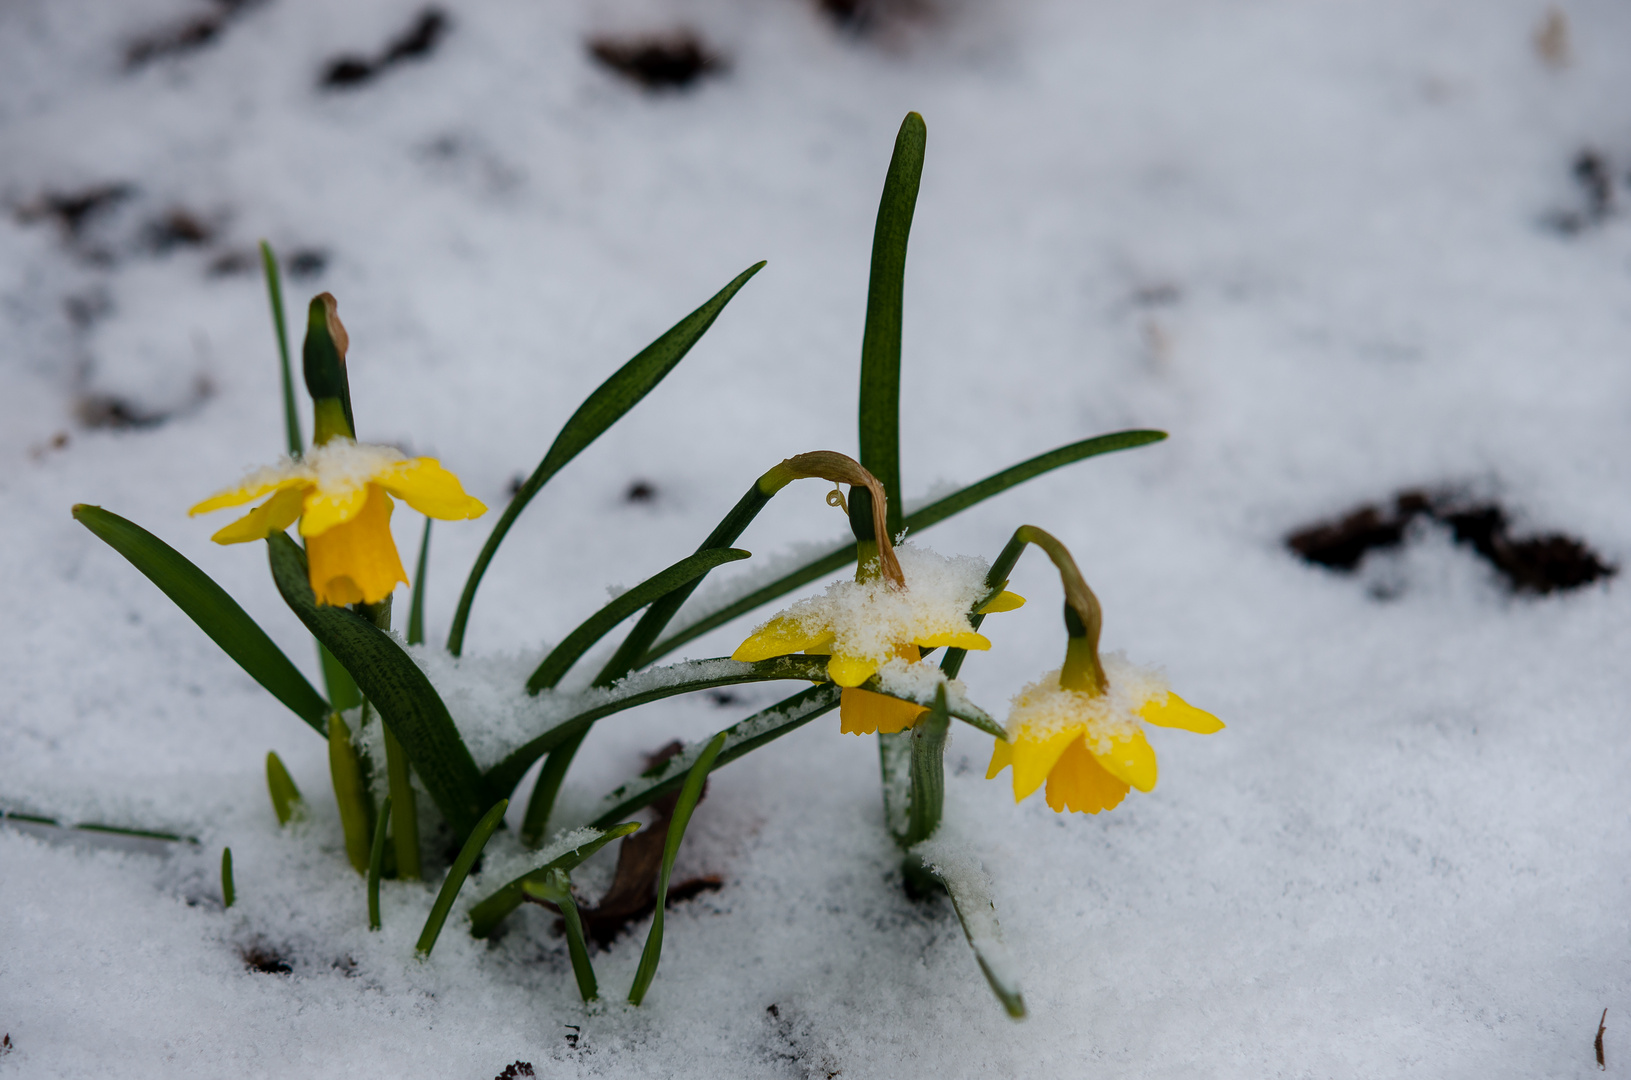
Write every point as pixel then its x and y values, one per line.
pixel 456 875
pixel 416 609
pixel 229 893
pixel 376 864
pixel 349 792
pixel 286 800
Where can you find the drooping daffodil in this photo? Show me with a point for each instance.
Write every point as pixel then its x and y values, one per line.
pixel 1088 745
pixel 340 491
pixel 867 623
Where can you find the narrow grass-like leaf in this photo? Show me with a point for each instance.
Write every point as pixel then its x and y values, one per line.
pixel 687 802
pixel 880 343
pixel 229 891
pixel 416 608
pixel 405 698
pixel 376 863
pixel 342 689
pixel 405 815
pixel 741 738
pixel 556 888
pixel 603 408
pixel 487 914
pixel 643 689
pixel 274 293
pixel 917 521
pixel 456 875
pixel 286 800
pixel 995 580
pixel 598 625
pixel 970 891
pixel 548 787
pixel 208 605
pixel 94 827
pixel 350 792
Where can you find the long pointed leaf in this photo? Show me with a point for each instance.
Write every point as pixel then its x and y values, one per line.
pixel 208 605
pixel 970 890
pixel 274 295
pixel 487 914
pixel 880 344
pixel 918 520
pixel 556 888
pixel 598 625
pixel 614 397
pixel 456 875
pixel 690 793
pixel 395 686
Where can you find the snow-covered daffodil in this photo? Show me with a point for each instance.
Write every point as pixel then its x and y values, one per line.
pixel 341 493
pixel 1089 745
pixel 869 622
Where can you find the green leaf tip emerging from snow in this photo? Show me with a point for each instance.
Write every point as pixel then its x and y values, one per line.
pixel 456 875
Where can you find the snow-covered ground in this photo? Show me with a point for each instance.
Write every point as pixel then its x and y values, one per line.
pixel 1327 244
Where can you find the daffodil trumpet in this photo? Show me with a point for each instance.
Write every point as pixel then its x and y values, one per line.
pixel 1078 728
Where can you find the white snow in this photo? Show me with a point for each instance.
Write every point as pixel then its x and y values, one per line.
pixel 1316 240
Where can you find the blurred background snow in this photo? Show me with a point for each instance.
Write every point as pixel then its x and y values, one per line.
pixel 1339 249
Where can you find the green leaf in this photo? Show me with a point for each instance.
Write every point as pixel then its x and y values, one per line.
pixel 598 625
pixel 376 863
pixel 286 800
pixel 456 875
pixel 603 408
pixel 350 792
pixel 690 793
pixel 343 694
pixel 556 888
pixel 274 293
pixel 880 344
pixel 644 688
pixel 229 892
pixel 416 609
pixel 917 521
pixel 208 605
pixel 970 891
pixel 405 819
pixel 395 686
pixel 762 727
pixel 487 914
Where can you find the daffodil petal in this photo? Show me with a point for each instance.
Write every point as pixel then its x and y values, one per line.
pixel 779 637
pixel 272 479
pixel 862 712
pixel 954 639
pixel 1034 758
pixel 1079 783
pixel 1175 712
pixel 329 507
pixel 273 515
pixel 1002 755
pixel 1130 758
pixel 423 484
pixel 850 670
pixel 1003 601
pixel 356 562
pixel 821 646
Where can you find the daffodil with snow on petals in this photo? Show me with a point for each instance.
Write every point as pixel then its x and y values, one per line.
pixel 902 601
pixel 1079 727
pixel 341 493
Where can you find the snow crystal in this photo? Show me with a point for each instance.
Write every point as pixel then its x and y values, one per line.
pixel 1044 707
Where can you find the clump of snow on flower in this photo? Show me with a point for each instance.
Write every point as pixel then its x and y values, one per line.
pixel 1045 707
pixel 337 465
pixel 872 618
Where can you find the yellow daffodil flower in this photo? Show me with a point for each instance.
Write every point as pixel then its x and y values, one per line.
pixel 1088 746
pixel 864 624
pixel 341 493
